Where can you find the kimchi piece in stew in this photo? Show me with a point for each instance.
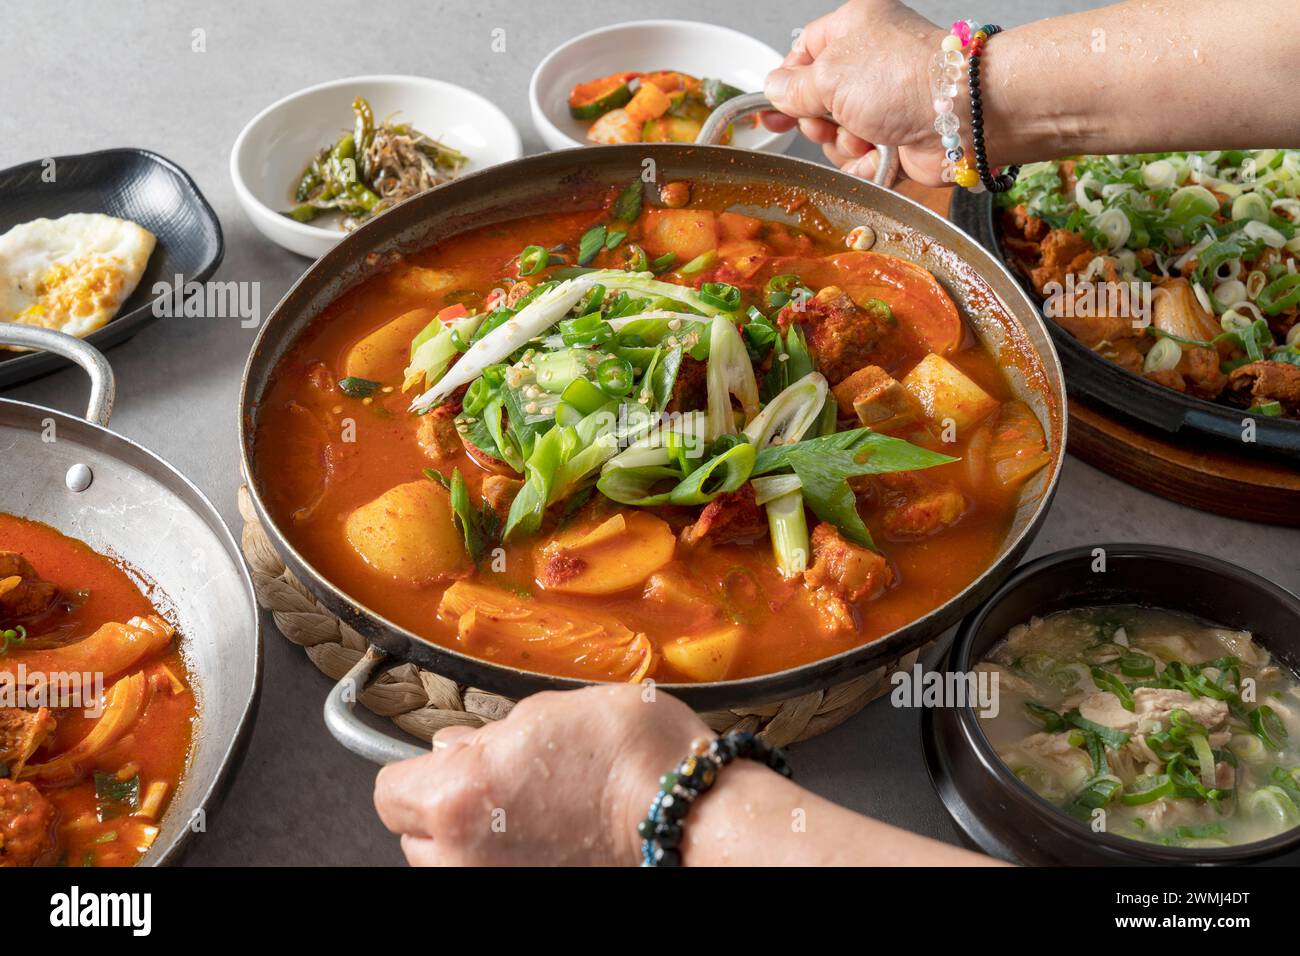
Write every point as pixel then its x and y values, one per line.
pixel 96 708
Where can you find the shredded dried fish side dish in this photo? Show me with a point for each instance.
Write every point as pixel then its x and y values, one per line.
pixel 371 169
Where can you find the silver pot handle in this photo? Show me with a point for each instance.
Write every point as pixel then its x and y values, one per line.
pixel 738 107
pixel 103 387
pixel 348 729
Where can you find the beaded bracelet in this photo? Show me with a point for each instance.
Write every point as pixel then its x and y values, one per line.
pixel 661 830
pixel 945 75
pixel 1000 183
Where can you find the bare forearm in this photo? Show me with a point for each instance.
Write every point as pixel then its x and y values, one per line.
pixel 755 818
pixel 1143 77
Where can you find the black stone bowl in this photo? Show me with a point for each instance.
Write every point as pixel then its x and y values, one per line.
pixel 132 184
pixel 991 807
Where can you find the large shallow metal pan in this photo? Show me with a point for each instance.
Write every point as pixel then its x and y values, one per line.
pixel 1120 392
pixel 94 485
pixel 995 306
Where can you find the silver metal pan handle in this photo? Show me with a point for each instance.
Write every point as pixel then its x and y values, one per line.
pixel 348 729
pixel 103 387
pixel 738 107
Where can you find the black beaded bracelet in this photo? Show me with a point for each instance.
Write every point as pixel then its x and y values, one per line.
pixel 661 830
pixel 1007 178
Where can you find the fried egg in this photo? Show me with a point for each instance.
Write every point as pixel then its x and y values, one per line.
pixel 71 274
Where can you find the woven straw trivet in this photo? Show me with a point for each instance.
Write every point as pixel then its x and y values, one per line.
pixel 422 702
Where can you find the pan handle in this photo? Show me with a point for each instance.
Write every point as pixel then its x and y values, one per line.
pixel 348 729
pixel 103 388
pixel 738 107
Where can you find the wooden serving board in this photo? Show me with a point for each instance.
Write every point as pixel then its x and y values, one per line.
pixel 1197 474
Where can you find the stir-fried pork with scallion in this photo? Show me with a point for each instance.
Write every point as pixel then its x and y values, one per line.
pixel 1217 233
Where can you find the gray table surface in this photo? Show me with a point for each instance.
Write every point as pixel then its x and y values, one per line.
pixel 86 76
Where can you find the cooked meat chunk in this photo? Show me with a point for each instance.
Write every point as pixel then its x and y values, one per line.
pixel 732 516
pixel 1200 368
pixel 1095 331
pixel 499 492
pixel 22 591
pixel 437 433
pixel 1025 224
pixel 917 505
pixel 1105 708
pixel 1262 382
pixel 1061 253
pixel 849 570
pixel 842 573
pixel 21 733
pixel 878 399
pixel 1051 752
pixel 518 291
pixel 842 335
pixel 26 824
pixel 1169 378
pixel 1157 703
pixel 691 390
pixel 1123 353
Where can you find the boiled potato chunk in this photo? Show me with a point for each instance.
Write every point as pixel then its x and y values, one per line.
pixel 613 556
pixel 687 232
pixel 947 393
pixel 408 534
pixel 706 657
pixel 417 280
pixel 382 356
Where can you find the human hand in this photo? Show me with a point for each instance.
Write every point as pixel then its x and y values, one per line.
pixel 866 66
pixel 563 780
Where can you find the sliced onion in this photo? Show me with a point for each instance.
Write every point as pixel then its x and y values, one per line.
pixel 1234 321
pixel 1111 190
pixel 1081 197
pixel 1231 292
pixel 1192 253
pixel 1255 282
pixel 1228 269
pixel 1115 226
pixel 1251 206
pixel 1164 356
pixel 1246 310
pixel 1159 174
pixel 1289 206
pixel 1094 268
pixel 1203 298
pixel 1293 336
pixel 1263 231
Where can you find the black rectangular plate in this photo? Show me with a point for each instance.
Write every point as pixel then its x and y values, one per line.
pixel 132 184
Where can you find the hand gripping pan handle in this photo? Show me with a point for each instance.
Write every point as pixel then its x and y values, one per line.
pixel 747 104
pixel 103 388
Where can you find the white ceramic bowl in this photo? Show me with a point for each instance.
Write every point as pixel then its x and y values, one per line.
pixel 700 49
pixel 274 148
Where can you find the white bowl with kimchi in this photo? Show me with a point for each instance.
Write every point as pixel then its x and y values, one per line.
pixel 705 60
